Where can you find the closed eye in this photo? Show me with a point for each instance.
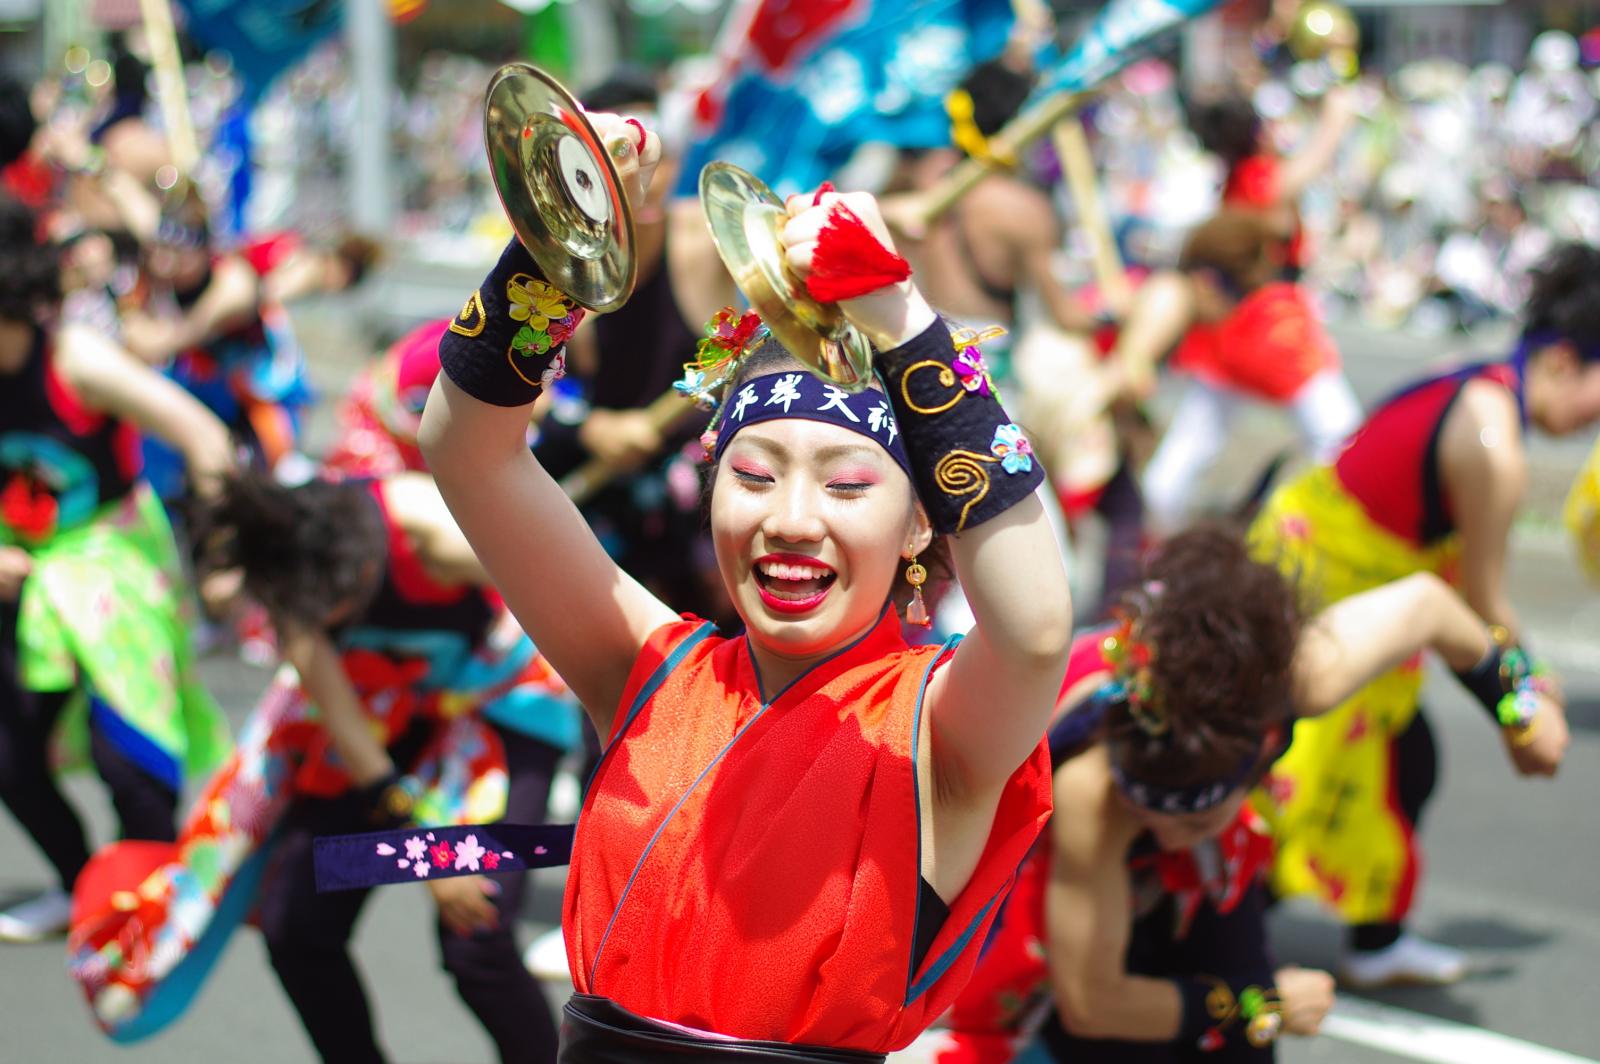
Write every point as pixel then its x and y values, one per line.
pixel 848 487
pixel 747 477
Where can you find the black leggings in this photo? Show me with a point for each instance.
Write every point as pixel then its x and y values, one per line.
pixel 146 807
pixel 1416 770
pixel 308 933
pixel 1229 945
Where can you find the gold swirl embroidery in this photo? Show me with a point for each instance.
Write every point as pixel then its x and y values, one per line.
pixel 462 325
pixel 963 473
pixel 947 378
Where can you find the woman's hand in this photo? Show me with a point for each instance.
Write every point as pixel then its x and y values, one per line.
pixel 1538 749
pixel 15 565
pixel 888 317
pixel 1306 995
pixel 635 151
pixel 464 903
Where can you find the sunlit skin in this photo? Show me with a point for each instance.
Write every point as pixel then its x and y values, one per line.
pixel 16 340
pixel 801 489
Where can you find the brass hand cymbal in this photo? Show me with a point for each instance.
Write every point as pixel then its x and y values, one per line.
pixel 559 188
pixel 746 218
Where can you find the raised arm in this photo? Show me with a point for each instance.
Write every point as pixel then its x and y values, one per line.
pixel 1313 158
pixel 111 380
pixel 976 476
pixel 229 301
pixel 1163 310
pixel 587 616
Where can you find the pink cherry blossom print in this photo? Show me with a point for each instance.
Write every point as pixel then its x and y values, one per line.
pixel 385 850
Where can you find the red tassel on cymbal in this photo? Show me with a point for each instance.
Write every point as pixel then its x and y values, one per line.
pixel 849 262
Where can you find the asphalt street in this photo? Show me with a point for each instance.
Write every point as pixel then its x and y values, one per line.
pixel 1511 876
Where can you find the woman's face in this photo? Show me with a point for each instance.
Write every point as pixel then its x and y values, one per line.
pixel 811 523
pixel 1563 390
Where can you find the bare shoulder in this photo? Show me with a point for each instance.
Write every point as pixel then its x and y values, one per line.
pixel 1484 428
pixel 1089 821
pixel 1013 207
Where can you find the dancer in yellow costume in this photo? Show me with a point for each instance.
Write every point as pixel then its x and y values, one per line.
pixel 1430 482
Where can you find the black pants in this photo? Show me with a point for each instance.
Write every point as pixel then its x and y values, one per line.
pixel 1215 945
pixel 1416 773
pixel 146 807
pixel 308 934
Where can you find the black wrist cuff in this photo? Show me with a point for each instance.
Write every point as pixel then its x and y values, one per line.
pixel 972 464
pixel 1219 1012
pixel 508 341
pixel 1484 683
pixel 387 802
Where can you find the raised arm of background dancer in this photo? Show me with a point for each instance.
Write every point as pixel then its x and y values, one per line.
pixel 230 300
pixel 1087 913
pixel 1315 157
pixel 588 617
pixel 1038 245
pixel 1359 638
pixel 342 715
pixel 989 708
pixel 111 380
pixel 1163 310
pixel 1485 473
pixel 414 501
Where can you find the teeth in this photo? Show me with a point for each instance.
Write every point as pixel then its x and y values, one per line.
pixel 788 571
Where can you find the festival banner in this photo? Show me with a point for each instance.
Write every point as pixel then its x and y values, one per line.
pixel 1120 34
pixel 264 37
pixel 803 83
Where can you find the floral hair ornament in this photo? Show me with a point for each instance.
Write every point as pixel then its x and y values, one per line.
pixel 1132 659
pixel 729 336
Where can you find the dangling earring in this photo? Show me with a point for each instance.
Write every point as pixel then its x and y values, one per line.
pixel 916 609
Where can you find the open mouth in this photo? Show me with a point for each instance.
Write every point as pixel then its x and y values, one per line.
pixel 792 583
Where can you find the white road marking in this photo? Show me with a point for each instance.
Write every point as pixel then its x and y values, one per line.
pixel 1428 1038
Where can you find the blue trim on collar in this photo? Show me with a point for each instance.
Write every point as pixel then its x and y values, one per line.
pixel 135 744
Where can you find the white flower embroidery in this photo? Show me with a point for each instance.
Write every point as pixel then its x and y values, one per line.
pixel 416 849
pixel 784 391
pixel 421 869
pixel 879 418
pixel 835 397
pixel 747 395
pixel 556 369
pixel 467 853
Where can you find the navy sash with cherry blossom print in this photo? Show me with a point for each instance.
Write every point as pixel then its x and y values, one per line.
pixel 412 855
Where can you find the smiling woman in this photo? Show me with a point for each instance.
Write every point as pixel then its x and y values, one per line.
pixel 795 839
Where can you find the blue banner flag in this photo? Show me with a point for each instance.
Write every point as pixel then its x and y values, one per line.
pixel 264 37
pixel 1118 36
pixel 804 83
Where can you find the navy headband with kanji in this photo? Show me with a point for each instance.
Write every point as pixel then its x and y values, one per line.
pixel 802 395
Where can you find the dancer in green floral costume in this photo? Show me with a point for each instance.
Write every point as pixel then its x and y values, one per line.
pixel 96 665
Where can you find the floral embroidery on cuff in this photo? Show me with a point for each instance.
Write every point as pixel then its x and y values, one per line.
pixel 1012 448
pixel 468 853
pixel 549 315
pixel 973 371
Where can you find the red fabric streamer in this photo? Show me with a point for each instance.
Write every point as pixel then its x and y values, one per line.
pixel 822 190
pixel 849 262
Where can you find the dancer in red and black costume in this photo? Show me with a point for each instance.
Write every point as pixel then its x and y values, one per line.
pixel 1138 925
pixel 1431 482
pixel 800 836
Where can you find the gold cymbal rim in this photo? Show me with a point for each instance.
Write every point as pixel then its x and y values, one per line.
pixel 745 218
pixel 559 187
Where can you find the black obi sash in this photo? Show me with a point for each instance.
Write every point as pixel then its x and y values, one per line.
pixel 596 1030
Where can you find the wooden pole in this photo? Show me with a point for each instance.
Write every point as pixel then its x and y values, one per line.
pixel 667 413
pixel 1078 164
pixel 172 93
